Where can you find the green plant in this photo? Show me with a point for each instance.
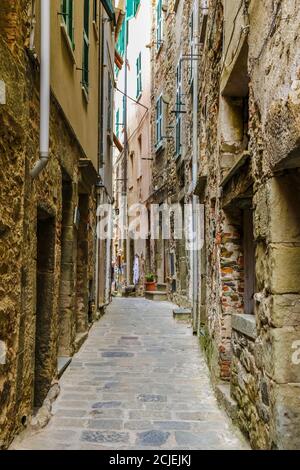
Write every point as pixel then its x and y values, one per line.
pixel 150 277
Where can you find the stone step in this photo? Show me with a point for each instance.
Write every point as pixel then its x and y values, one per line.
pixel 226 400
pixel 162 287
pixel 182 313
pixel 156 295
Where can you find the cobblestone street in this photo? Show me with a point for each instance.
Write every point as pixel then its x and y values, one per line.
pixel 139 382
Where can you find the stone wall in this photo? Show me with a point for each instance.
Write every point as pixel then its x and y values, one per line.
pixel 257 170
pixel 172 175
pixel 31 290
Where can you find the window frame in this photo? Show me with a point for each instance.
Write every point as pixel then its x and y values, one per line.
pixel 86 45
pixel 67 13
pixel 159 25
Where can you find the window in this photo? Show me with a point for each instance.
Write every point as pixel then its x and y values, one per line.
pixel 68 16
pixel 121 40
pixel 159 24
pixel 86 45
pixel 118 123
pixel 109 105
pixel 159 121
pixel 139 75
pixel 132 8
pixel 178 110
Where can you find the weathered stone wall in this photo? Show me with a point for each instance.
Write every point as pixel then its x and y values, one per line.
pixel 254 352
pixel 30 265
pixel 171 175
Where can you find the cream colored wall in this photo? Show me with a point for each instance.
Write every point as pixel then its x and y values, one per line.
pixel 139 38
pixel 81 113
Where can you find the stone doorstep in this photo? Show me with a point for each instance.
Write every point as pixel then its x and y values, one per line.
pixel 63 363
pixel 182 313
pixel 245 324
pixel 156 295
pixel 226 401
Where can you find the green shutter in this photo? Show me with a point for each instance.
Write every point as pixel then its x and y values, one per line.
pixel 86 45
pixel 130 4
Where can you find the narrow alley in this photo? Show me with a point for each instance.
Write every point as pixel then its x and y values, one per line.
pixel 139 382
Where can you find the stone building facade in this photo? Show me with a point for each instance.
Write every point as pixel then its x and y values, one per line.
pixel 245 135
pixel 174 60
pixel 248 165
pixel 48 297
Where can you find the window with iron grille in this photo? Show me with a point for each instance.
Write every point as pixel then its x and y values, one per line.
pixel 68 16
pixel 139 75
pixel 86 45
pixel 159 121
pixel 178 110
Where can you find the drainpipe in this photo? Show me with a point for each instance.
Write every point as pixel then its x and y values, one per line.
pixel 195 253
pixel 44 90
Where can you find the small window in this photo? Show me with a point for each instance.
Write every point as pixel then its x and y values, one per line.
pixel 68 16
pixel 118 123
pixel 139 75
pixel 86 45
pixel 159 24
pixel 178 110
pixel 159 121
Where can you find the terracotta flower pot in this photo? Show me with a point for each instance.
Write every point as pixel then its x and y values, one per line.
pixel 150 286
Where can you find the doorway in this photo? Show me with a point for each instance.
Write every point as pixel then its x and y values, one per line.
pixel 44 368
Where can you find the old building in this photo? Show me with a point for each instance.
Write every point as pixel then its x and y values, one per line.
pixel 133 160
pixel 248 175
pixel 174 143
pixel 52 178
pixel 225 133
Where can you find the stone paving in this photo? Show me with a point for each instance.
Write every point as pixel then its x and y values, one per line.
pixel 139 382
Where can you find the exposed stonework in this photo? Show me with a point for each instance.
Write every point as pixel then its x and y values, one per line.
pixel 39 254
pixel 257 361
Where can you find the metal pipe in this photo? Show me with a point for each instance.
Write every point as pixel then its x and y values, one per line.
pixel 44 90
pixel 195 252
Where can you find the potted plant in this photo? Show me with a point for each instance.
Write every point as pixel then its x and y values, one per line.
pixel 150 283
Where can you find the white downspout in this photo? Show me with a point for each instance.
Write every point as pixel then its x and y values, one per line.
pixel 195 253
pixel 44 90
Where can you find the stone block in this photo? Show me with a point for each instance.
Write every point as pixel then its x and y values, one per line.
pixel 261 213
pixel 283 207
pixel 286 425
pixel 279 349
pixel 245 324
pixel 284 268
pixel 280 310
pixel 3 353
pixel 182 313
pixel 2 92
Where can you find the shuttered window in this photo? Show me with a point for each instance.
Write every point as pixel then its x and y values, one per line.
pixel 159 24
pixel 86 45
pixel 68 16
pixel 139 75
